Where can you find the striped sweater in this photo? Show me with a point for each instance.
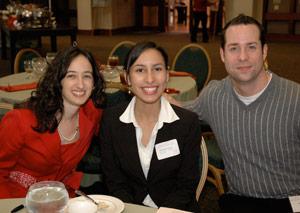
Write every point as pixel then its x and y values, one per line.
pixel 260 142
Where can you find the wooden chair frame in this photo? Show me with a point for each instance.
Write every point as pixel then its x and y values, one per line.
pixel 203 176
pixel 205 53
pixel 217 173
pixel 19 56
pixel 119 45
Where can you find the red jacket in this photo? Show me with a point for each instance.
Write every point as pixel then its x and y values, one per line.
pixel 27 156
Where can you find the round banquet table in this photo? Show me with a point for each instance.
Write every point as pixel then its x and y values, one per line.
pixel 186 86
pixel 18 96
pixel 6 205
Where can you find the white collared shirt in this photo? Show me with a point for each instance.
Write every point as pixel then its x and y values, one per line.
pixel 166 115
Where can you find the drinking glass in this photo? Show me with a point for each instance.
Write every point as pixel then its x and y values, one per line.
pixel 47 197
pixel 50 56
pixel 113 61
pixel 28 69
pixel 122 74
pixel 110 73
pixel 39 65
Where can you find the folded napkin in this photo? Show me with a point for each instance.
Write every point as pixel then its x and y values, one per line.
pixel 171 91
pixel 19 87
pixel 180 74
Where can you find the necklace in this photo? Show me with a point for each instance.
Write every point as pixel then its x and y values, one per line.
pixel 68 138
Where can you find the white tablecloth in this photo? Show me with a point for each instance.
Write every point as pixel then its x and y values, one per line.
pixel 186 86
pixel 6 205
pixel 19 96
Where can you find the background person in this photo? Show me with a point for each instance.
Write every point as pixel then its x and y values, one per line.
pixel 199 13
pixel 150 149
pixel 46 140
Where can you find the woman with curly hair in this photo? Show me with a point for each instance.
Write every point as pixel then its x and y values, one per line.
pixel 46 139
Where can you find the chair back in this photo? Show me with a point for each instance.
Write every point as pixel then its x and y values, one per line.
pixel 203 168
pixel 193 58
pixel 22 55
pixel 121 50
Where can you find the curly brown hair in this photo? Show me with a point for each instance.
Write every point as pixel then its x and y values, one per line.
pixel 47 100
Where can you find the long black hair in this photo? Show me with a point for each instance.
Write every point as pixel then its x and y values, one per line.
pixel 139 48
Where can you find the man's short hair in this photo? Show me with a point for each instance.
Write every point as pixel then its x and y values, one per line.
pixel 243 19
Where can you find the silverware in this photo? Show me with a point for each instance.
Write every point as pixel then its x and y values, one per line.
pixel 18 208
pixel 86 196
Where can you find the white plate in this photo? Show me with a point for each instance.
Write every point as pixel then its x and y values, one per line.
pixel 114 205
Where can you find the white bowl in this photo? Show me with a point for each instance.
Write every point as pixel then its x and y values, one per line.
pixel 80 206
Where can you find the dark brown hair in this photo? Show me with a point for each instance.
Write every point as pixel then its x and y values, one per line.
pixel 47 100
pixel 243 20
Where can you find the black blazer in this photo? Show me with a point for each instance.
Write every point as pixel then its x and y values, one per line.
pixel 171 182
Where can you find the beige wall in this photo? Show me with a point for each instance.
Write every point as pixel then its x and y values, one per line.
pixel 107 15
pixel 125 10
pixel 252 8
pixel 84 15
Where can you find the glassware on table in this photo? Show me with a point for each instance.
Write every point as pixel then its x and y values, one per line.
pixel 39 65
pixel 122 74
pixel 110 73
pixel 28 69
pixel 50 56
pixel 113 61
pixel 47 197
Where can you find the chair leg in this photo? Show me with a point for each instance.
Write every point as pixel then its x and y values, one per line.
pixel 217 178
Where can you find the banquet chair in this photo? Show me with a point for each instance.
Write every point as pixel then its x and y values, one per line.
pixel 22 55
pixel 215 162
pixel 121 50
pixel 193 58
pixel 204 168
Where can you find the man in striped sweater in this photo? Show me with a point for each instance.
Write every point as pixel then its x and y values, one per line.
pixel 255 115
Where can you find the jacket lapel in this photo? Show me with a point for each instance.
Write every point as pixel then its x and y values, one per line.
pixel 156 165
pixel 130 150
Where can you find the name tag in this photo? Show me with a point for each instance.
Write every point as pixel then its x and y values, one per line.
pixel 167 149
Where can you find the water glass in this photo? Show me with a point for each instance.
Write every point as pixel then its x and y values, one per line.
pixel 113 61
pixel 50 56
pixel 28 69
pixel 122 74
pixel 39 65
pixel 47 197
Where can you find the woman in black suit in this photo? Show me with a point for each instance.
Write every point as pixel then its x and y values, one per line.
pixel 150 149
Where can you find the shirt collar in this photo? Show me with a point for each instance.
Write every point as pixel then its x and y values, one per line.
pixel 166 115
